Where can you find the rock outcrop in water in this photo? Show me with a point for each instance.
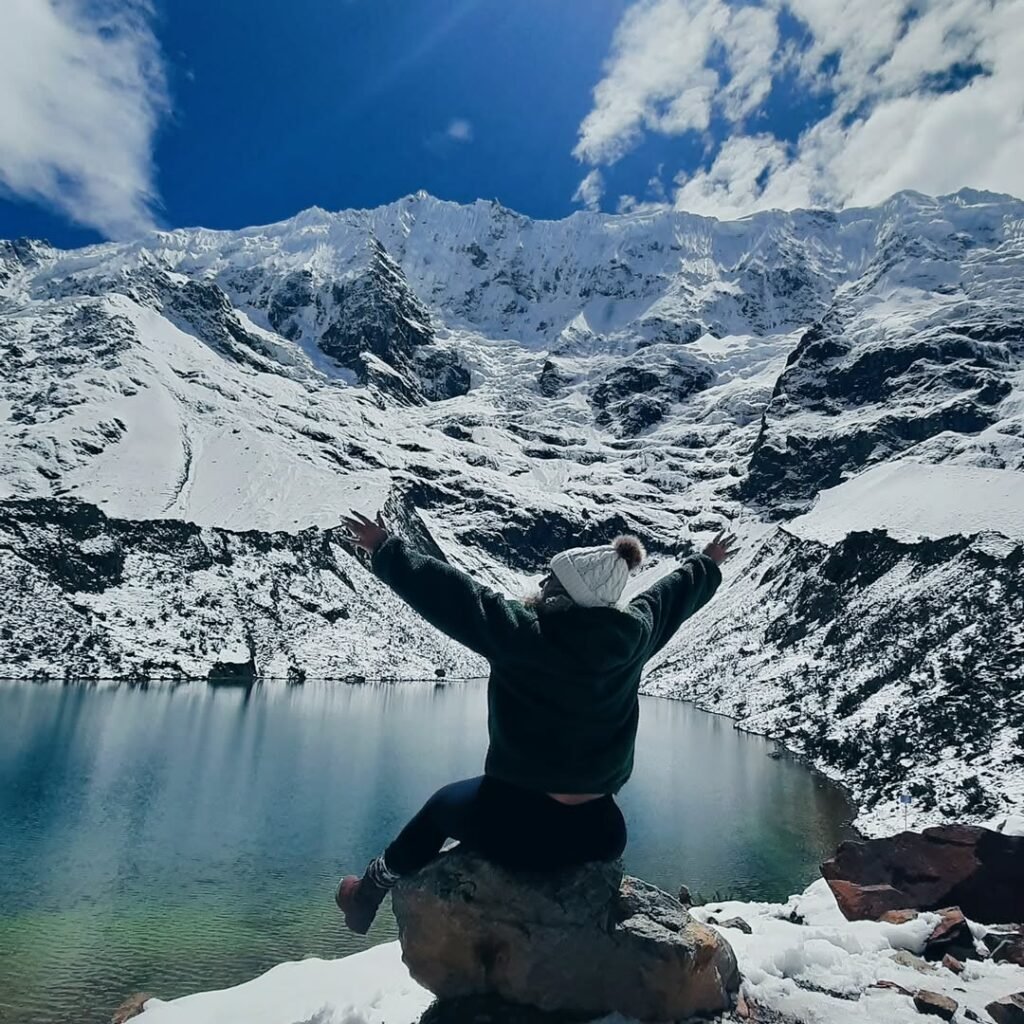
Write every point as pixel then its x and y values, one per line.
pixel 587 942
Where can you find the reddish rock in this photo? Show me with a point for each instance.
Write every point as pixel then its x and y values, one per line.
pixel 933 1004
pixel 864 902
pixel 952 921
pixel 1008 1010
pixel 893 986
pixel 974 868
pixel 952 964
pixel 952 935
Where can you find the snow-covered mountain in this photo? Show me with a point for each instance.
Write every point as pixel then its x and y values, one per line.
pixel 184 418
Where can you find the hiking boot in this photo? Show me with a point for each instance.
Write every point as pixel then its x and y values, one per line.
pixel 359 900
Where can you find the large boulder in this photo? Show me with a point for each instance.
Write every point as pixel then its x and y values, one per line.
pixel 1008 1010
pixel 584 942
pixel 973 868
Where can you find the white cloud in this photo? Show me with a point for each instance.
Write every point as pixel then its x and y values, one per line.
pixel 733 184
pixel 590 190
pixel 891 127
pixel 656 187
pixel 656 197
pixel 750 39
pixel 460 130
pixel 81 93
pixel 656 77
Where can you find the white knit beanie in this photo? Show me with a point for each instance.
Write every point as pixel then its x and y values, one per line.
pixel 596 577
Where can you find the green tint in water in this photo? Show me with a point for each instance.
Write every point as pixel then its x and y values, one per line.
pixel 177 840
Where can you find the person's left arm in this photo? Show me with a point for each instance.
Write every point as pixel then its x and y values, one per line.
pixel 683 592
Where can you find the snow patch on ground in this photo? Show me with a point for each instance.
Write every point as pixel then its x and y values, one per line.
pixel 1008 824
pixel 372 987
pixel 824 968
pixel 912 500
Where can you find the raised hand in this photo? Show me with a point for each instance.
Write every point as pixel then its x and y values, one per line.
pixel 722 547
pixel 365 533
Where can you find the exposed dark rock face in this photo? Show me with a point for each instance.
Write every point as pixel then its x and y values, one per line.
pixel 975 869
pixel 369 322
pixel 287 299
pixel 583 942
pixel 551 380
pixel 1008 1010
pixel 638 394
pixel 659 330
pixel 517 537
pixel 375 312
pixel 842 404
pixel 201 308
pixel 934 1004
pixel 1007 945
pixel 441 375
pixel 772 289
pixel 951 938
pixel 237 673
pixel 18 254
pixel 85 338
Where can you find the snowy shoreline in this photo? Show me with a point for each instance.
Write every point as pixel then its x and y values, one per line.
pixel 802 959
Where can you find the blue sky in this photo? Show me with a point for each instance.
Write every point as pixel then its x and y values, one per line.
pixel 127 116
pixel 277 107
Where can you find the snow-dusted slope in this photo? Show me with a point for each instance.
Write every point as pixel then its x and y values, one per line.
pixel 120 599
pixel 914 500
pixel 505 387
pixel 206 375
pixel 896 666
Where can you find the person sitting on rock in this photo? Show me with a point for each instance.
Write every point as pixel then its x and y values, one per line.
pixel 562 703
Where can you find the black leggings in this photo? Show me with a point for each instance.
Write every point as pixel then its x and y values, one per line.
pixel 519 829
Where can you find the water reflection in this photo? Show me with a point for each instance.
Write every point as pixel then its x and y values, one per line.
pixel 175 840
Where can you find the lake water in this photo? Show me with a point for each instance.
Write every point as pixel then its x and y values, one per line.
pixel 174 840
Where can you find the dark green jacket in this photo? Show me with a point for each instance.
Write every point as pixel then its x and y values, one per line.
pixel 562 696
